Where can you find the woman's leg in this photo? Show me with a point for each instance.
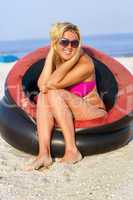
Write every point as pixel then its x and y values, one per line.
pixel 64 106
pixel 63 116
pixel 45 124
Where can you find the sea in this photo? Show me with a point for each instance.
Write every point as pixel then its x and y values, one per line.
pixel 116 45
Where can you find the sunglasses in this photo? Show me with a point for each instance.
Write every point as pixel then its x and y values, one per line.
pixel 65 42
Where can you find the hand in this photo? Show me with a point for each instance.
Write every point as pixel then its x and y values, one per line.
pixel 50 85
pixel 53 47
pixel 51 51
pixel 43 88
pixel 77 54
pixel 75 58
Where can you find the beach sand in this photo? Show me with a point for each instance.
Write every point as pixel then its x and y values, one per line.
pixel 107 176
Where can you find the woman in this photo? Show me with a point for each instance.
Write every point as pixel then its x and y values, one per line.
pixel 67 92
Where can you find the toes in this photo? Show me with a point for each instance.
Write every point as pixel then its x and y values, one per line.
pixel 75 160
pixel 70 159
pixel 37 164
pixel 47 162
pixel 33 166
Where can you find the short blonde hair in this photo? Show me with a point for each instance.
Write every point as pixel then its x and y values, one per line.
pixel 59 28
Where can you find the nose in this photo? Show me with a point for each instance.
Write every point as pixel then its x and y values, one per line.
pixel 69 45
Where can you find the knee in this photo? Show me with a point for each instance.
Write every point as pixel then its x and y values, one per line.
pixel 56 95
pixel 40 98
pixel 41 95
pixel 55 92
pixel 52 95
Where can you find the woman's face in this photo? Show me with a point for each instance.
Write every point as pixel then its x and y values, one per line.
pixel 67 45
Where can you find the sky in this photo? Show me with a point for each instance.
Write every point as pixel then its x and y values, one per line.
pixel 32 19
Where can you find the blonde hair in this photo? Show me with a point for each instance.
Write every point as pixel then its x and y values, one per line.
pixel 59 28
pixel 57 31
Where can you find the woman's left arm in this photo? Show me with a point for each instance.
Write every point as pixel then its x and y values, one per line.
pixel 79 73
pixel 64 69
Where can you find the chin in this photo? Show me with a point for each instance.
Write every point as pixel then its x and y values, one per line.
pixel 67 57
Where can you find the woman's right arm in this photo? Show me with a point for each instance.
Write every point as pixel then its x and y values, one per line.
pixel 47 70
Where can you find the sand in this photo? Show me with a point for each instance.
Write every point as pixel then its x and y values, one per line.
pixel 107 176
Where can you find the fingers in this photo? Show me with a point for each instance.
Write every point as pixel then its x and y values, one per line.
pixel 43 89
pixel 50 85
pixel 52 44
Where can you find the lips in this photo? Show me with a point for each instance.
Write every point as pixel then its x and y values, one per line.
pixel 67 52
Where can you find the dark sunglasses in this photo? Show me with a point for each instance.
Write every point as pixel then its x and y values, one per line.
pixel 65 42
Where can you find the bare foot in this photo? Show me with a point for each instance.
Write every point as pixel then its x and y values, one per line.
pixel 39 162
pixel 71 157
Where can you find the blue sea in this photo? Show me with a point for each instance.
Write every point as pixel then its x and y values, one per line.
pixel 113 44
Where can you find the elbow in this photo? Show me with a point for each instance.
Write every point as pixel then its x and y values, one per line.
pixel 38 83
pixel 51 85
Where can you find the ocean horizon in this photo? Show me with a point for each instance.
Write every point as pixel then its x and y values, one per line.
pixel 117 45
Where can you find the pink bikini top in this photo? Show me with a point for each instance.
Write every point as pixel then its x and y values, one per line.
pixel 82 88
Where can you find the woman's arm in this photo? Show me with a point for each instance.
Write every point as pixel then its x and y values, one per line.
pixel 47 70
pixel 83 70
pixel 63 69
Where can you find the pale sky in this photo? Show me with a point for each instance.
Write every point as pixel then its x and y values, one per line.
pixel 28 19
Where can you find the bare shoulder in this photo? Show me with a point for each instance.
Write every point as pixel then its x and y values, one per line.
pixel 85 58
pixel 86 61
